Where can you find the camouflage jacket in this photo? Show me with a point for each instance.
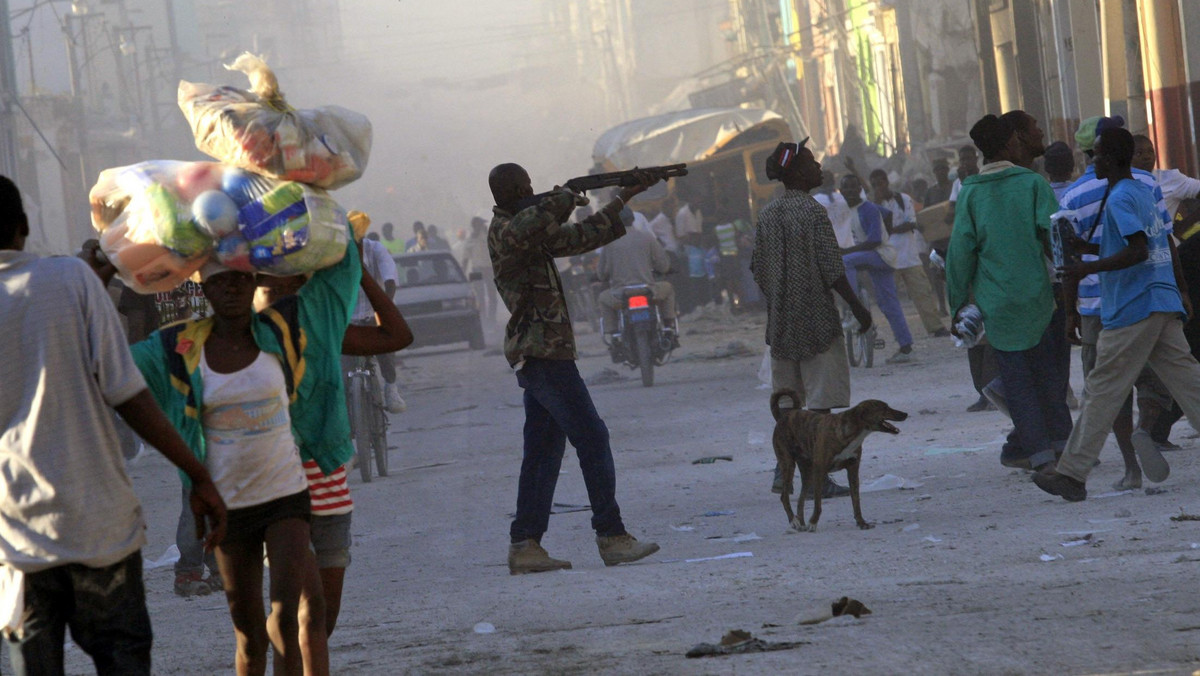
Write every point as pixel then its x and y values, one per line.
pixel 523 248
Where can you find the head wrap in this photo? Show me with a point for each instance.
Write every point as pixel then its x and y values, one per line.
pixel 990 134
pixel 783 156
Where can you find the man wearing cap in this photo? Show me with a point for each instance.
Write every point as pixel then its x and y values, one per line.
pixel 1085 197
pixel 797 263
pixel 997 254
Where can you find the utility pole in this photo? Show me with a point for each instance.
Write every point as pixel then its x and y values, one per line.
pixel 173 32
pixel 987 56
pixel 8 95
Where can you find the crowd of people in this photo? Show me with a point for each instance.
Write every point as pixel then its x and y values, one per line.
pixel 237 379
pixel 1121 290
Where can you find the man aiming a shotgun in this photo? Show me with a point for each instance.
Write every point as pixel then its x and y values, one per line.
pixel 525 237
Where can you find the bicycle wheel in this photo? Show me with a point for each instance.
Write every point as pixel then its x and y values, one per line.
pixel 378 431
pixel 360 420
pixel 853 346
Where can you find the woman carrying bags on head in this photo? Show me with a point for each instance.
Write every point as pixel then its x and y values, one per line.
pixel 253 394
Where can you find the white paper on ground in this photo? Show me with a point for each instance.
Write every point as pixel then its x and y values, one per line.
pixel 889 482
pixel 168 557
pixel 735 555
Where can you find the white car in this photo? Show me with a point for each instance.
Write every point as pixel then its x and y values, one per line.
pixel 437 300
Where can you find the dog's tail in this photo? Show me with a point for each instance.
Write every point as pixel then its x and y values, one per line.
pixel 783 394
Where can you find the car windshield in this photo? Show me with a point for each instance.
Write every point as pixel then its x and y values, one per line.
pixel 428 270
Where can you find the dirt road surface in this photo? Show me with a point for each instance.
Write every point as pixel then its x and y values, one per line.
pixel 969 569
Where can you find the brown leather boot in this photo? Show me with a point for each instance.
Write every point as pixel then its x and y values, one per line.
pixel 528 556
pixel 623 549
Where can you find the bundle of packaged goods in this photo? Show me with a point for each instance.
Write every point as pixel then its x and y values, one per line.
pixel 258 131
pixel 160 221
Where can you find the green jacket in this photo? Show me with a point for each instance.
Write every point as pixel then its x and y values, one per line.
pixel 997 254
pixel 304 331
pixel 523 247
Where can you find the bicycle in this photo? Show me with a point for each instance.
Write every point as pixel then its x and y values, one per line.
pixel 860 346
pixel 368 418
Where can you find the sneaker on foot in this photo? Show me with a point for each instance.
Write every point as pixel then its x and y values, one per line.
pixel 834 490
pixel 1154 465
pixel 982 404
pixel 900 358
pixel 623 548
pixel 392 400
pixel 528 556
pixel 1015 462
pixel 1061 485
pixel 190 584
pixel 997 400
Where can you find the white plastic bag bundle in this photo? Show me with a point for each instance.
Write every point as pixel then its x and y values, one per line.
pixel 160 221
pixel 257 130
pixel 143 213
pixel 294 228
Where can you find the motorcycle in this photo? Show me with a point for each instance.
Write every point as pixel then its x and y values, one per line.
pixel 641 340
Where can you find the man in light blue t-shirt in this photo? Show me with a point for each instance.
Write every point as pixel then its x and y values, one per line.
pixel 1141 312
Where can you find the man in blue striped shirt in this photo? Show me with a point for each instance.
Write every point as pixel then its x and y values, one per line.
pixel 1085 197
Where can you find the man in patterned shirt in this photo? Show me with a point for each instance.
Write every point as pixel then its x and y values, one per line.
pixel 540 345
pixel 796 262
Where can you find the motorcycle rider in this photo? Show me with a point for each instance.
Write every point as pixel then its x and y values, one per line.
pixel 630 260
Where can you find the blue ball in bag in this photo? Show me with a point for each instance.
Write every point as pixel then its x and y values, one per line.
pixel 243 186
pixel 215 213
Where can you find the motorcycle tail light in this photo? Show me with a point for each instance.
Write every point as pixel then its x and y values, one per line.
pixel 638 302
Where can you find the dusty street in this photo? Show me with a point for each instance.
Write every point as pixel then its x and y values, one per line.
pixel 955 572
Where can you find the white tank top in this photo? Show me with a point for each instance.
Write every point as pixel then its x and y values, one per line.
pixel 252 455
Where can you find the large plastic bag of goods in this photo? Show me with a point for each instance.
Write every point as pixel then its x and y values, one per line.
pixel 292 229
pixel 144 215
pixel 257 130
pixel 161 220
pixel 143 266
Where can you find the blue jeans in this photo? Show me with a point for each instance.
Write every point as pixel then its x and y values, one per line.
pixel 105 609
pixel 192 557
pixel 557 408
pixel 884 280
pixel 1035 386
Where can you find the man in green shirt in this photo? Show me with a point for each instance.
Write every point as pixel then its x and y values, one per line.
pixel 390 242
pixel 997 255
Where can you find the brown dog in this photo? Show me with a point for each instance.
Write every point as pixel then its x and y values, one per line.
pixel 819 443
